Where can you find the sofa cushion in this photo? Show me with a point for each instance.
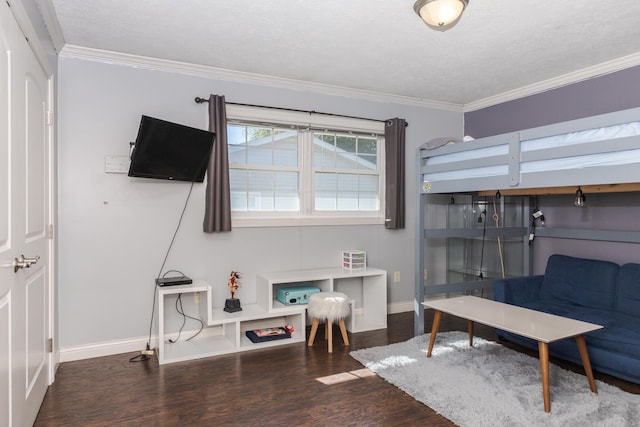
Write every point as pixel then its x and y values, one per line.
pixel 620 334
pixel 578 281
pixel 586 314
pixel 617 338
pixel 628 297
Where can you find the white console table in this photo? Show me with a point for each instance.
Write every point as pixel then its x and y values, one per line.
pixel 225 332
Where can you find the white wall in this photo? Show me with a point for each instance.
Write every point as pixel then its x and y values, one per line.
pixel 114 230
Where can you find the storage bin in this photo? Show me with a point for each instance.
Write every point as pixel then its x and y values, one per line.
pixel 354 259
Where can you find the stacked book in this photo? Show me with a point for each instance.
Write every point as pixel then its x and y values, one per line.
pixel 267 334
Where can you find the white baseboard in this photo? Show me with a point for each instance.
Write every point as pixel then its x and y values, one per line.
pixel 400 307
pixel 108 348
pixel 69 354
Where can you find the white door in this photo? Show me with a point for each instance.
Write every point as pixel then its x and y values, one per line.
pixel 25 154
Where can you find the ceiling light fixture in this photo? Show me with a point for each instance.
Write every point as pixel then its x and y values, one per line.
pixel 440 14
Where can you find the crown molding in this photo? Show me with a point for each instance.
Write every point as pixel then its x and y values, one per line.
pixel 28 30
pixel 51 22
pixel 556 82
pixel 73 51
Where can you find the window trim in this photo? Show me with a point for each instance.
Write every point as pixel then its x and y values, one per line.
pixel 307 216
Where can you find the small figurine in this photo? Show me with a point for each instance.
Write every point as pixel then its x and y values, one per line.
pixel 233 304
pixel 233 283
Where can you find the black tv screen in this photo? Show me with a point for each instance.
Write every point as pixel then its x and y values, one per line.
pixel 166 150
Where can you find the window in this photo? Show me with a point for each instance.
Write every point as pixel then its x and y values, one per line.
pixel 284 170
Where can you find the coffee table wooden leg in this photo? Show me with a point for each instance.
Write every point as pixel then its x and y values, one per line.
pixel 471 333
pixel 543 352
pixel 434 330
pixel 584 355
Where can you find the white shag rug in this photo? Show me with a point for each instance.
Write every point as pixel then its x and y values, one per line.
pixel 491 385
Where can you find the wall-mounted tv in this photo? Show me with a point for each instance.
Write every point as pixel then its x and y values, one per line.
pixel 166 150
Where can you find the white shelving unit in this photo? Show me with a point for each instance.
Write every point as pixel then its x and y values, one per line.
pixel 366 287
pixel 224 332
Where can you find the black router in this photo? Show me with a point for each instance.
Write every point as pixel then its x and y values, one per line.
pixel 172 281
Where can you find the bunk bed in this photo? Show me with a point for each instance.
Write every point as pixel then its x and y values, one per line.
pixel 597 154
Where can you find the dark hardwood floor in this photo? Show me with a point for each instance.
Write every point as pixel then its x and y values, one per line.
pixel 269 387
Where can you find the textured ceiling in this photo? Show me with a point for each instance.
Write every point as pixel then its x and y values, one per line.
pixel 499 46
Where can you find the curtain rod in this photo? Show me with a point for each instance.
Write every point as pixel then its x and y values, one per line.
pixel 203 100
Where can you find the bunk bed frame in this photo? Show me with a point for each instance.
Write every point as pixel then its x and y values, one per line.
pixel 597 154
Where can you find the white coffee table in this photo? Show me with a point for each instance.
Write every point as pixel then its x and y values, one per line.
pixel 542 327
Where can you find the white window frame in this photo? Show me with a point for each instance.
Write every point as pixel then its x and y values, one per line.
pixel 307 216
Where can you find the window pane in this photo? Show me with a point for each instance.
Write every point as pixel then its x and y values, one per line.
pixel 264 190
pixel 367 162
pixel 236 140
pixel 261 184
pixel 238 186
pixel 346 143
pixel 286 191
pixel 346 192
pixel 262 146
pixel 285 149
pixel 345 152
pixel 368 196
pixel 324 150
pixel 325 192
pixel 367 145
pixel 259 156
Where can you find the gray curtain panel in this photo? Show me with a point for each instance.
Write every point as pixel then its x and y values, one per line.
pixel 394 143
pixel 217 214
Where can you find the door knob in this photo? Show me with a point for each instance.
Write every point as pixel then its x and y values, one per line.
pixel 23 262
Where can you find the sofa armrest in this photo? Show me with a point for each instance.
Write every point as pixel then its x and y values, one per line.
pixel 517 290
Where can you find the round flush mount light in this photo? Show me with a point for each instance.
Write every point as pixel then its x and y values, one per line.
pixel 440 14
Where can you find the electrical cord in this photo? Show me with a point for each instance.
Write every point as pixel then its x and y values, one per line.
pixel 496 218
pixel 484 234
pixel 145 355
pixel 180 310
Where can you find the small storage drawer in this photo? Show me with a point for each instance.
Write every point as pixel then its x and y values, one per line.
pixel 354 260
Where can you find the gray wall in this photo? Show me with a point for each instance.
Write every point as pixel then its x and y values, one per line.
pixel 114 231
pixel 604 94
pixel 615 211
pixel 612 92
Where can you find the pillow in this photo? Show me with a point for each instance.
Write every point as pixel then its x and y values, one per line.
pixel 578 281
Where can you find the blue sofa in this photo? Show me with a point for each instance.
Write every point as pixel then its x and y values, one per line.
pixel 594 291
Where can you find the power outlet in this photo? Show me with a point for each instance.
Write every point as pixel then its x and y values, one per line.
pixel 396 277
pixel 196 297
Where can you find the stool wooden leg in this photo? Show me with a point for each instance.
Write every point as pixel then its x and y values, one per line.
pixel 329 335
pixel 343 329
pixel 314 329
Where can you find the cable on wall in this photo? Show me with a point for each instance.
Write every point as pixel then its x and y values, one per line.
pixel 145 354
pixel 496 218
pixel 180 310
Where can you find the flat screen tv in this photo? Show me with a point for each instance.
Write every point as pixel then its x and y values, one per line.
pixel 166 150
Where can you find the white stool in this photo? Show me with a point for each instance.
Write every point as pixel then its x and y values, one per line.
pixel 329 306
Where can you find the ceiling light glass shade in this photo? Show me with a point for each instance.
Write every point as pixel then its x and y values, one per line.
pixel 440 14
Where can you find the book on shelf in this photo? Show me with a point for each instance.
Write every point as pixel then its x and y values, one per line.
pixel 267 334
